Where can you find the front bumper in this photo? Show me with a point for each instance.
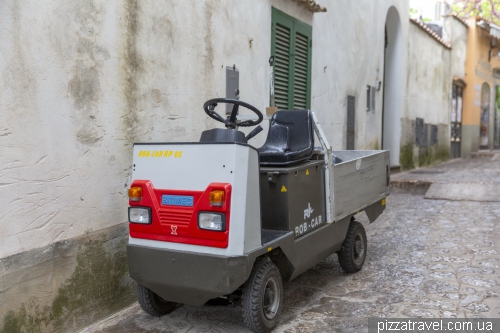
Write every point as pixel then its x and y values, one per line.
pixel 186 277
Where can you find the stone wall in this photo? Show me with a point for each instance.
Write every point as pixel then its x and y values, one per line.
pixel 426 121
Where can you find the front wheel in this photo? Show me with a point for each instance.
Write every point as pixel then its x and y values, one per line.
pixel 353 253
pixel 152 303
pixel 262 297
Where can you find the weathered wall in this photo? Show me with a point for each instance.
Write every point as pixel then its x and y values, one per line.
pixel 64 143
pixel 455 33
pixel 352 36
pixel 82 80
pixel 428 97
pixel 66 285
pixel 65 152
pixel 86 79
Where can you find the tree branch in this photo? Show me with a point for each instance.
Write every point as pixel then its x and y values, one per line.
pixel 487 9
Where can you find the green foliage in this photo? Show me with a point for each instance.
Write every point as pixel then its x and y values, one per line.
pixel 487 9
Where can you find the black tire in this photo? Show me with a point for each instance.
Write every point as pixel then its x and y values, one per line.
pixel 262 298
pixel 152 303
pixel 353 253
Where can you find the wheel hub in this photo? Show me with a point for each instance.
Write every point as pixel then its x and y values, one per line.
pixel 271 299
pixel 359 249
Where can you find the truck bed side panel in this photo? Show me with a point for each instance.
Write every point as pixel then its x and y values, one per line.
pixel 359 181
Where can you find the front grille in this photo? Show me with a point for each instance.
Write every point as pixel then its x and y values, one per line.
pixel 169 216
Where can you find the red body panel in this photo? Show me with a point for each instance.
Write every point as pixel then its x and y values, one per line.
pixel 178 223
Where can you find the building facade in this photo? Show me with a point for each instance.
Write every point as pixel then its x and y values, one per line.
pixel 455 32
pixel 481 118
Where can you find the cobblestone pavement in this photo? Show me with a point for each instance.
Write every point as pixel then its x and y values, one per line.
pixel 426 258
pixel 476 170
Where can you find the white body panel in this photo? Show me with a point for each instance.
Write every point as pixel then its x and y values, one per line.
pixel 194 167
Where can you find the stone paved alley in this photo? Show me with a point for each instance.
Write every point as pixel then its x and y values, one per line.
pixel 426 258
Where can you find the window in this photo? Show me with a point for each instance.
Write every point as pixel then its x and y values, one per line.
pixel 370 98
pixel 291 45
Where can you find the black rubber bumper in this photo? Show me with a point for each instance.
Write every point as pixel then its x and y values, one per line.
pixel 185 277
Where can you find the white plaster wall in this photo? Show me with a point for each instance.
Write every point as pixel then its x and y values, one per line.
pixel 456 33
pixel 395 65
pixel 429 79
pixel 82 80
pixel 352 36
pixel 63 160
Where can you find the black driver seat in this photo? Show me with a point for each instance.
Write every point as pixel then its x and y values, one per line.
pixel 290 139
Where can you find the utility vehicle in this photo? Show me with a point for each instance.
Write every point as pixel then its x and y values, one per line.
pixel 220 219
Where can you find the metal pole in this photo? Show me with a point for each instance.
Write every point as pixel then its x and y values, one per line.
pixel 271 76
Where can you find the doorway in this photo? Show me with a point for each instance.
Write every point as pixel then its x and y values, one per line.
pixel 496 137
pixel 495 108
pixel 456 121
pixel 392 94
pixel 485 117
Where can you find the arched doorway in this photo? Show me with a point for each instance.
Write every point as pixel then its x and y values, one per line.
pixel 496 110
pixel 392 98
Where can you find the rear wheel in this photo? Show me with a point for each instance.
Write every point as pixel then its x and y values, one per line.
pixel 262 298
pixel 152 303
pixel 353 253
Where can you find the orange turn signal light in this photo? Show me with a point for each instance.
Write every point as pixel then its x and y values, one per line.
pixel 135 193
pixel 217 198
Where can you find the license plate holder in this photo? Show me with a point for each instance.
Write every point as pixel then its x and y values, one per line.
pixel 177 200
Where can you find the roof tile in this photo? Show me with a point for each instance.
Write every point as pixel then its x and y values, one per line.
pixel 311 5
pixel 460 19
pixel 424 27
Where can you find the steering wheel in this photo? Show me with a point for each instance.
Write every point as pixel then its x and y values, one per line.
pixel 231 122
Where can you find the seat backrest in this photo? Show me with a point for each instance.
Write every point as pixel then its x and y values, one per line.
pixel 279 137
pixel 299 124
pixel 290 138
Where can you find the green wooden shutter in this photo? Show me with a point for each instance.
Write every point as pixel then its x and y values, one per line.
pixel 281 49
pixel 300 91
pixel 282 66
pixel 291 47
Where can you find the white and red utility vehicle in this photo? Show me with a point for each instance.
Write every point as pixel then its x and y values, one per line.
pixel 220 219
